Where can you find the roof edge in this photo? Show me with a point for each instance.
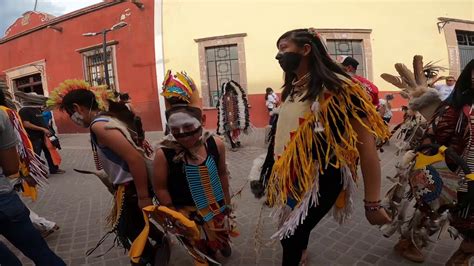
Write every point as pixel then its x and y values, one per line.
pixel 62 18
pixel 445 19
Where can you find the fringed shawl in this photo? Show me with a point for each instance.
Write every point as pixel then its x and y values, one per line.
pixel 31 164
pixel 315 145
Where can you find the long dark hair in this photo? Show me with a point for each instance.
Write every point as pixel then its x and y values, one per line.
pixel 322 68
pixel 3 99
pixel 463 92
pixel 268 91
pixel 117 110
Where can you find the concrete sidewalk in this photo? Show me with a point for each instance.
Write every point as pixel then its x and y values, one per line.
pixel 79 203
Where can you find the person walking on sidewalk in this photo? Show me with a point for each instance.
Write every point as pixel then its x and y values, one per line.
pixel 271 101
pixel 326 123
pixel 15 224
pixel 33 121
pixel 33 171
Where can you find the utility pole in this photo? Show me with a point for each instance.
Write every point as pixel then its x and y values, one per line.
pixel 104 47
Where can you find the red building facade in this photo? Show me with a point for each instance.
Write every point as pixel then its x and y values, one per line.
pixel 39 51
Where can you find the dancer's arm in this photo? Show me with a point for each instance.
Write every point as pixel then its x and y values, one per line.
pixel 31 126
pixel 370 166
pixel 160 177
pixel 115 140
pixel 222 167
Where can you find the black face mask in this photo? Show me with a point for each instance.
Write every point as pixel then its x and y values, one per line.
pixel 289 61
pixel 187 134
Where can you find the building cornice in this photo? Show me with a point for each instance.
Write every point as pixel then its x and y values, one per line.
pixel 444 19
pixel 34 63
pixel 228 36
pixel 344 30
pixel 96 46
pixel 62 18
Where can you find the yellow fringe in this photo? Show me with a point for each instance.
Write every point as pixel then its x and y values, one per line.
pixel 29 191
pixel 297 159
pixel 162 215
pixel 114 215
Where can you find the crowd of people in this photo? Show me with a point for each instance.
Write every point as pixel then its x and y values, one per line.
pixel 324 126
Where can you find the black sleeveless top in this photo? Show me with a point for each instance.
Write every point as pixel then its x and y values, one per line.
pixel 177 183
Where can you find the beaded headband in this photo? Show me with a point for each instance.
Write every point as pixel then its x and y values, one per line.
pixel 318 36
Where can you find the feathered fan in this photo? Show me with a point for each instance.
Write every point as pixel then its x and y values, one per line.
pixel 415 85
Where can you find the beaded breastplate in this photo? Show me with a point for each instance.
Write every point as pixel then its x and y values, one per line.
pixel 206 188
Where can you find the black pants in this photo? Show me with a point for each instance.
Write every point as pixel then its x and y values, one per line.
pixel 16 226
pixel 231 140
pixel 131 224
pixel 272 116
pixel 330 186
pixel 38 147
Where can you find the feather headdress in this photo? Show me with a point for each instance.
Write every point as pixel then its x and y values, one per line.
pixel 415 86
pixel 56 97
pixel 232 108
pixel 180 89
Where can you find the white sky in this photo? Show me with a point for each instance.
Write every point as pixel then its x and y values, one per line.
pixel 10 10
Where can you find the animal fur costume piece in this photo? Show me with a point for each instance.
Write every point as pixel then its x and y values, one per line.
pixel 444 126
pixel 422 98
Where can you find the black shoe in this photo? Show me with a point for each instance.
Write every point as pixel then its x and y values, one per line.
pixel 226 251
pixel 162 252
pixel 58 172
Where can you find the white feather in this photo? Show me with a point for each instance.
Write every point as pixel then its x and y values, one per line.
pixel 257 167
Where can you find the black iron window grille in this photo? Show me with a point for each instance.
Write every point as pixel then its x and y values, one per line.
pixel 222 64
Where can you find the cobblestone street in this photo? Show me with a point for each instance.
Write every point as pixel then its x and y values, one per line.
pixel 78 204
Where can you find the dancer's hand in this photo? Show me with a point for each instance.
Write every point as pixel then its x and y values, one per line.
pixel 378 217
pixel 143 202
pixel 46 132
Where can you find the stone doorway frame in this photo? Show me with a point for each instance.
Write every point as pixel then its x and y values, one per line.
pixel 231 39
pixel 353 34
pixel 37 67
pixel 449 27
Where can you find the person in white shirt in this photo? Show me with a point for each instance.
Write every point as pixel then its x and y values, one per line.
pixel 445 90
pixel 385 108
pixel 271 101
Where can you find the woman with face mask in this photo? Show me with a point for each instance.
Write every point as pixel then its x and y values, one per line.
pixel 119 150
pixel 326 123
pixel 190 172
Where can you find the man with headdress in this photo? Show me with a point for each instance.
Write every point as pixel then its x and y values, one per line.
pixel 453 126
pixel 233 113
pixel 436 185
pixel 190 170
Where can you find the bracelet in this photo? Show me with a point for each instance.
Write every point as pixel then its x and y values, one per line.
pixel 372 208
pixel 372 202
